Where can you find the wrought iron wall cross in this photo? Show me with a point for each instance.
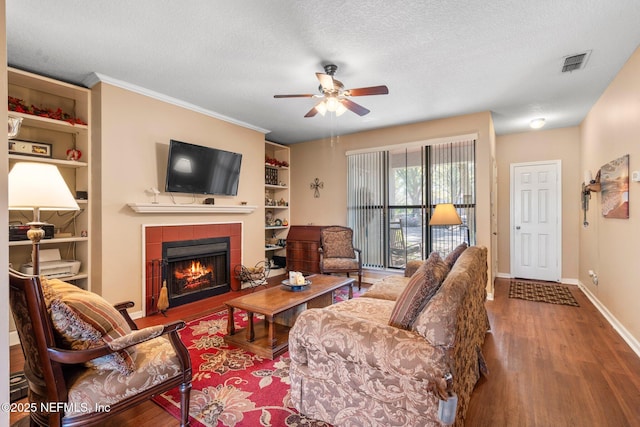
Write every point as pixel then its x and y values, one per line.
pixel 316 185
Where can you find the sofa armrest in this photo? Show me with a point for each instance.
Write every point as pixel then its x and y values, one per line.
pixel 319 334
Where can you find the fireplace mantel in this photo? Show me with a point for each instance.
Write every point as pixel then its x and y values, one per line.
pixel 170 208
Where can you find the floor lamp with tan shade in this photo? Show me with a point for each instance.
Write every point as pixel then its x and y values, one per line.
pixel 446 214
pixel 38 187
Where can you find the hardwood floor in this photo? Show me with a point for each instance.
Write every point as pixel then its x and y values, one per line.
pixel 550 365
pixel 554 365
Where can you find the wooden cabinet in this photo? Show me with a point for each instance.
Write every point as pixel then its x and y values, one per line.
pixel 276 200
pixel 72 229
pixel 303 243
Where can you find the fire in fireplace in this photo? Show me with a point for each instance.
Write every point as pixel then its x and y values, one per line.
pixel 196 269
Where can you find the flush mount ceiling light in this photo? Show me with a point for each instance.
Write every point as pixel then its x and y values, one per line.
pixel 537 123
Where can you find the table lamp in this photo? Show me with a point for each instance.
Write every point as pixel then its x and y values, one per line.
pixel 38 187
pixel 446 214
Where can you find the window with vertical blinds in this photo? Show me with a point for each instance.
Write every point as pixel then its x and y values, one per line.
pixel 392 194
pixel 365 205
pixel 452 177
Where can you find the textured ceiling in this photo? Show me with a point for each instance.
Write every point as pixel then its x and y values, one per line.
pixel 438 58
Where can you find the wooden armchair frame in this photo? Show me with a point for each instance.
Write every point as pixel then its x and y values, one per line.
pixel 46 363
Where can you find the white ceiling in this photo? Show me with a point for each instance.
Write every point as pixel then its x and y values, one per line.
pixel 438 58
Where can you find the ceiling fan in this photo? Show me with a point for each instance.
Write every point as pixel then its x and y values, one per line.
pixel 335 98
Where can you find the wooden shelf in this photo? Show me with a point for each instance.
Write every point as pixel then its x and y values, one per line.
pixel 266 165
pixel 57 162
pixel 276 227
pixel 276 193
pixel 47 123
pixel 168 208
pixel 51 94
pixel 49 241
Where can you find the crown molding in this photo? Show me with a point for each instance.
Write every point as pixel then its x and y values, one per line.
pixel 95 78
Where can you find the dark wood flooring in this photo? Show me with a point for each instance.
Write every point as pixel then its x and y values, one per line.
pixel 550 365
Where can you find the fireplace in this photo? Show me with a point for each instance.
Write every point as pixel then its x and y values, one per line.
pixel 196 269
pixel 154 255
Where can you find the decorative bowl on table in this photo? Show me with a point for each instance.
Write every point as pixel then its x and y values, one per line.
pixel 295 287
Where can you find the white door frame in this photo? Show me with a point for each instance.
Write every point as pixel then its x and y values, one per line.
pixel 513 166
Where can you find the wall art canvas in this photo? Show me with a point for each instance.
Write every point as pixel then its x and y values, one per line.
pixel 614 181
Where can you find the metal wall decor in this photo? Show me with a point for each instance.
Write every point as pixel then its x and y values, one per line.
pixel 316 185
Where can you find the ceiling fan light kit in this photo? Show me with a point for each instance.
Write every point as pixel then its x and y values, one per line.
pixel 335 97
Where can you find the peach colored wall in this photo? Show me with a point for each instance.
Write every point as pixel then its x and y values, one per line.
pixel 327 161
pixel 557 144
pixel 131 141
pixel 610 246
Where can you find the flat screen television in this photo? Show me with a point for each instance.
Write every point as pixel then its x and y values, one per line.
pixel 202 170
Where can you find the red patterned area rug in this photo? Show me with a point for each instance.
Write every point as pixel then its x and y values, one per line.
pixel 231 386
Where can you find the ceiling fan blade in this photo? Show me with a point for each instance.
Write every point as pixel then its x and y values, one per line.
pixel 363 91
pixel 305 95
pixel 356 108
pixel 326 81
pixel 312 112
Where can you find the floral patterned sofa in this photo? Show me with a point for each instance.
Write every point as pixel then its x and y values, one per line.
pixel 351 367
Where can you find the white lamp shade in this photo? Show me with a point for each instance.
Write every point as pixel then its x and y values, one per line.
pixel 445 214
pixel 321 108
pixel 332 103
pixel 39 186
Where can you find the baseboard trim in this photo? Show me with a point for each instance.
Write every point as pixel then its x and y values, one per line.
pixel 620 329
pixel 564 280
pixel 13 338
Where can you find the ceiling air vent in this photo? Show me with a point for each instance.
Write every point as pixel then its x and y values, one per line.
pixel 575 62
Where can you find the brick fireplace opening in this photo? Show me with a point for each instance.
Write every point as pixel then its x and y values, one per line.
pixel 214 274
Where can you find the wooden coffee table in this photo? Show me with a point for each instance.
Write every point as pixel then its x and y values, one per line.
pixel 280 306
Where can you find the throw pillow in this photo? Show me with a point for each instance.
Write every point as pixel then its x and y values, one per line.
pixel 423 285
pixel 412 266
pixel 453 256
pixel 86 320
pixel 337 243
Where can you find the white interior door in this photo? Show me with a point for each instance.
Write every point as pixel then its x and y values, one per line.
pixel 536 218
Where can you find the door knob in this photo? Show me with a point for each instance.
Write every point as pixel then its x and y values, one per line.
pixel 517 227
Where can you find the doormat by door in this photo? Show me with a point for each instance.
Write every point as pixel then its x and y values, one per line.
pixel 542 292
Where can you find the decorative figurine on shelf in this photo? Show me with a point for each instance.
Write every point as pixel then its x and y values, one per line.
pixel 73 154
pixel 268 218
pixel 285 222
pixel 13 126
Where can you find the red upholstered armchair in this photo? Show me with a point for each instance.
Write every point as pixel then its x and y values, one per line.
pixel 337 254
pixel 88 358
